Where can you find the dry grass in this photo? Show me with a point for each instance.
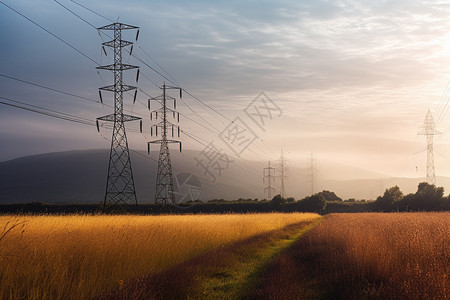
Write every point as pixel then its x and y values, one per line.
pixel 227 272
pixel 77 257
pixel 365 256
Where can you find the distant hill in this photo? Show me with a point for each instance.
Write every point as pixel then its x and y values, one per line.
pixel 80 177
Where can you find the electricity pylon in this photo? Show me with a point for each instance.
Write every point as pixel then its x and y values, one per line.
pixel 164 193
pixel 312 175
pixel 429 131
pixel 283 174
pixel 267 174
pixel 120 183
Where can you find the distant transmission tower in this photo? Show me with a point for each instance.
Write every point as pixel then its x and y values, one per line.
pixel 429 131
pixel 283 174
pixel 164 193
pixel 267 174
pixel 312 175
pixel 120 183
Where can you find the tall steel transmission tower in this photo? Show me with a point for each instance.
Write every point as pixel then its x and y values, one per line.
pixel 120 183
pixel 283 174
pixel 312 174
pixel 429 131
pixel 164 193
pixel 267 174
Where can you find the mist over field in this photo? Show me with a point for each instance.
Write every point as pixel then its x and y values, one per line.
pixel 80 177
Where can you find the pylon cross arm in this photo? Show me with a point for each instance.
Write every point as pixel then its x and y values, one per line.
pixel 168 141
pixel 118 67
pixel 122 88
pixel 113 43
pixel 116 26
pixel 125 118
pixel 108 118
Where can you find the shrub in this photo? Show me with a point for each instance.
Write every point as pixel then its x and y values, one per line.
pixel 313 203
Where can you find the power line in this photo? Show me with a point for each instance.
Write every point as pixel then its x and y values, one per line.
pixel 91 100
pixel 80 120
pixel 204 143
pixel 171 79
pixel 139 59
pixel 100 32
pixel 56 90
pixel 135 56
pixel 149 56
pixel 186 116
pixel 184 90
pixel 49 32
pixel 438 112
pixel 49 88
pixel 84 20
pixel 64 117
pixel 92 11
pixel 49 113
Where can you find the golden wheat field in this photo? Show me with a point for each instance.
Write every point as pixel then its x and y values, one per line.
pixel 78 257
pixel 366 256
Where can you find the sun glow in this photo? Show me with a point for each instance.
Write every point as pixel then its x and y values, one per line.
pixel 446 45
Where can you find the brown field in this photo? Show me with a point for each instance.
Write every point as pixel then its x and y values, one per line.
pixel 78 257
pixel 365 256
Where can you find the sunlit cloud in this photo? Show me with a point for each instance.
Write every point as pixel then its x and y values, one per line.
pixel 349 75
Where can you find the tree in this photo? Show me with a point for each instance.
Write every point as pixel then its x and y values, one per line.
pixel 403 205
pixel 391 196
pixel 314 203
pixel 278 200
pixel 330 196
pixel 290 199
pixel 428 197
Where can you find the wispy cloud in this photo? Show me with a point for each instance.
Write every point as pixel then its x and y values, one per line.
pixel 347 68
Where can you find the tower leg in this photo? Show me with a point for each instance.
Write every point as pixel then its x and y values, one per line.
pixel 120 184
pixel 164 180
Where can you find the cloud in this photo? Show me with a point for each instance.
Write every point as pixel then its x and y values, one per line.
pixel 338 68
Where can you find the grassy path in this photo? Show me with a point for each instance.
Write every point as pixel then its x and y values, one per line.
pixel 232 281
pixel 229 272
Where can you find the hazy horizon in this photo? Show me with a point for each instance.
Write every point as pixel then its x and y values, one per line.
pixel 241 179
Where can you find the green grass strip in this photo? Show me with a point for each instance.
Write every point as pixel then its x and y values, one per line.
pixel 234 280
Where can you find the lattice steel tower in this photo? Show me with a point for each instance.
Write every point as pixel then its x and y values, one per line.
pixel 120 183
pixel 283 174
pixel 164 181
pixel 429 131
pixel 267 174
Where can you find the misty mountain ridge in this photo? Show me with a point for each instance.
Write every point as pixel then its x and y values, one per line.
pixel 80 177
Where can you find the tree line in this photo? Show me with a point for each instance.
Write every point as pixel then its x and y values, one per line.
pixel 427 198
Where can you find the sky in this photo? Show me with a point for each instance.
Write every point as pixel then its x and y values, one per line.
pixel 349 81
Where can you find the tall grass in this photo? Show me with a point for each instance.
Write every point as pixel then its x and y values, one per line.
pixel 366 256
pixel 227 272
pixel 77 257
